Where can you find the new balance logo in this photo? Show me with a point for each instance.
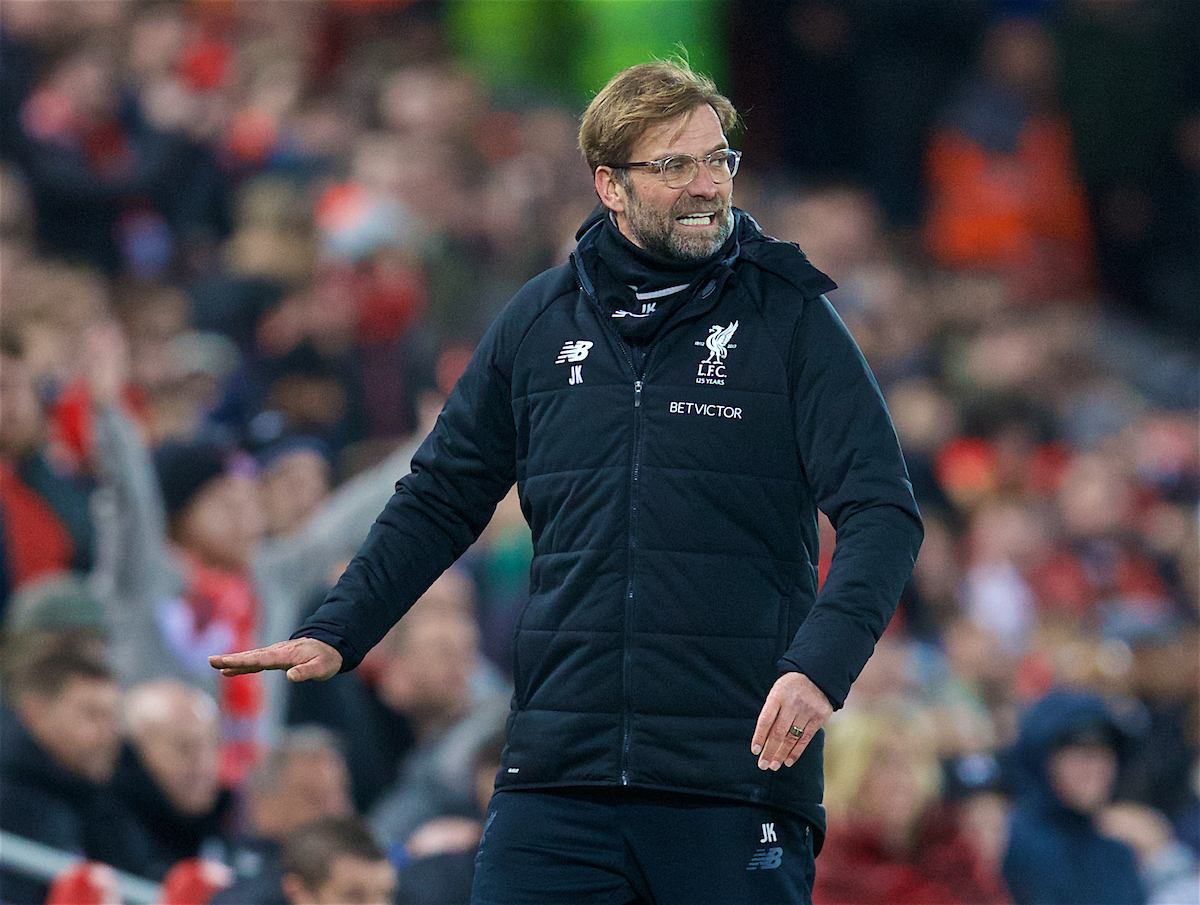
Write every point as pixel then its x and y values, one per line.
pixel 574 350
pixel 766 859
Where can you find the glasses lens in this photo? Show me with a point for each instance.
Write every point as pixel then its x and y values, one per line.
pixel 679 170
pixel 722 165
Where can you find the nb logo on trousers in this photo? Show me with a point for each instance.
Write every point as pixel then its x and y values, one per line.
pixel 766 859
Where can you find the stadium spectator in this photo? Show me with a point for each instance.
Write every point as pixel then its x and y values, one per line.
pixel 43 511
pixel 168 772
pixel 432 672
pixel 1068 751
pixel 438 860
pixel 294 479
pixel 1003 190
pixel 301 778
pixel 890 839
pixel 187 567
pixel 414 720
pixel 59 744
pixel 336 861
pixel 1168 868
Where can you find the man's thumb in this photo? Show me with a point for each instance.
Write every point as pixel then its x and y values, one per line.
pixel 297 674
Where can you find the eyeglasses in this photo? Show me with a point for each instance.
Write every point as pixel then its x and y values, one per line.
pixel 679 170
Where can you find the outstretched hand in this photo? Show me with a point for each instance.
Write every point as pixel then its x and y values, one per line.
pixel 794 700
pixel 303 658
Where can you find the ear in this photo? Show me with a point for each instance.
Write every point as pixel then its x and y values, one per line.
pixel 610 189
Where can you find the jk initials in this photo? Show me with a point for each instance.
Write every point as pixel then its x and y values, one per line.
pixel 576 375
pixel 768 833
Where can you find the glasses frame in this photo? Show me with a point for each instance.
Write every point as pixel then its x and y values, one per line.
pixel 734 157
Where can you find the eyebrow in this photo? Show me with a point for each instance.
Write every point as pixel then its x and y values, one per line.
pixel 724 146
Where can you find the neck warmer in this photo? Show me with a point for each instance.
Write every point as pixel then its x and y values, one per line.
pixel 641 290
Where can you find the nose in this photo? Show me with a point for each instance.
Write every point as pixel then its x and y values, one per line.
pixel 702 185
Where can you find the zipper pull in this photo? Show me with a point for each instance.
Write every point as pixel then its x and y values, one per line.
pixel 637 394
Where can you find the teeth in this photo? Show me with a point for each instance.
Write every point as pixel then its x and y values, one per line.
pixel 696 219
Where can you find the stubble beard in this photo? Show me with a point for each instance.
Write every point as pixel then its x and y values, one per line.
pixel 658 233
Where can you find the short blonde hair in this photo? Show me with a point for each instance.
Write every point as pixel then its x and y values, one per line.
pixel 640 97
pixel 857 740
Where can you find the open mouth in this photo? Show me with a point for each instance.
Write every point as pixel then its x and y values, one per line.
pixel 704 219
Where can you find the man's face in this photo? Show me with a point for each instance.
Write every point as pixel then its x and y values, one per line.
pixel 183 757
pixel 1082 776
pixel 315 784
pixel 292 489
pixel 428 675
pixel 685 223
pixel 78 726
pixel 351 881
pixel 224 522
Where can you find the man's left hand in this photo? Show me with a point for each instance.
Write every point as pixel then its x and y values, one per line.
pixel 794 701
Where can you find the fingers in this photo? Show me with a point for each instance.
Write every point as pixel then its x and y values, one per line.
pixel 793 712
pixel 303 658
pixel 241 663
pixel 278 656
pixel 762 729
pixel 783 747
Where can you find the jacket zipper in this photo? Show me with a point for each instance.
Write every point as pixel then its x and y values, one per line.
pixel 627 658
pixel 638 382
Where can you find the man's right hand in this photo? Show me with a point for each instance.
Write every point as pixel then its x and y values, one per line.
pixel 303 658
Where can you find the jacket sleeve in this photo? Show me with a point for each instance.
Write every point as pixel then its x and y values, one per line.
pixel 460 473
pixel 852 459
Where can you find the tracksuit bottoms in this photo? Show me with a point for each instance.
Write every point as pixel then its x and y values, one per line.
pixel 620 846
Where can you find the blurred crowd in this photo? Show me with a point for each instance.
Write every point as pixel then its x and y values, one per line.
pixel 247 247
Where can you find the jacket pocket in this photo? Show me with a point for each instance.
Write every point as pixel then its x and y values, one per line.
pixel 785 630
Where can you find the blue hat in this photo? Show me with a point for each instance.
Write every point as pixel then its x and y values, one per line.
pixel 185 468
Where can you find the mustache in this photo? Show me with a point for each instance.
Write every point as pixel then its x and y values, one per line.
pixel 682 208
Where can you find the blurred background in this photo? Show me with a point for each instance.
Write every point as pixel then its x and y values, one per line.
pixel 247 246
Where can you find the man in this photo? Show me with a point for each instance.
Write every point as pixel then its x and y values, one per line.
pixel 674 405
pixel 58 747
pixel 44 523
pixel 1069 748
pixel 437 865
pixel 168 774
pixel 301 778
pixel 411 730
pixel 431 671
pixel 336 861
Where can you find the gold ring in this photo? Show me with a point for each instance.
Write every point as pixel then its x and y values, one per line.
pixel 796 731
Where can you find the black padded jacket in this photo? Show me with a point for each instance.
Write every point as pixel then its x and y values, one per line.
pixel 674 517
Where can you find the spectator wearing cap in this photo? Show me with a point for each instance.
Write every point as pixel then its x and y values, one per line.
pixel 294 477
pixel 60 602
pixel 1069 748
pixel 58 748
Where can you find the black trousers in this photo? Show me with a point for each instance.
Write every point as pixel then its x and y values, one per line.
pixel 606 846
